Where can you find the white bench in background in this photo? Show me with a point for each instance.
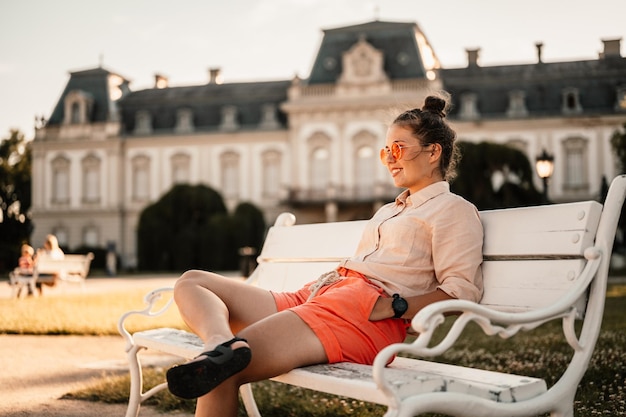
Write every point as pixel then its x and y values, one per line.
pixel 72 268
pixel 540 264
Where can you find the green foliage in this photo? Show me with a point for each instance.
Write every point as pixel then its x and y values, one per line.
pixel 191 228
pixel 15 198
pixel 478 165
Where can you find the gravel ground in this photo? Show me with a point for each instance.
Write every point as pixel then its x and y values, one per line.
pixel 38 370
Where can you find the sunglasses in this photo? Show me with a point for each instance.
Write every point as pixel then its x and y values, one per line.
pixel 396 151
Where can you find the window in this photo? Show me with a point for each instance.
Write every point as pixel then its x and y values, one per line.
pixel 60 180
pixel 90 236
pixel 364 174
pixel 229 118
pixel 62 236
pixel 620 103
pixel 180 169
pixel 184 121
pixel 469 106
pixel 230 175
pixel 320 170
pixel 91 179
pixel 140 178
pixel 271 173
pixel 77 107
pixel 268 117
pixel 570 101
pixel 575 150
pixel 143 123
pixel 517 104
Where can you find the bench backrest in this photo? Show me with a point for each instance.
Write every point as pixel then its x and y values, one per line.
pixel 533 255
pixel 70 265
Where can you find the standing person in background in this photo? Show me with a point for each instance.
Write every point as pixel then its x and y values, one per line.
pixel 424 247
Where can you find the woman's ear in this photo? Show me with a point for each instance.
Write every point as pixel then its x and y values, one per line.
pixel 435 152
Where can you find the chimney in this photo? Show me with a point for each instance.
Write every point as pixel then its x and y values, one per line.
pixel 215 76
pixel 160 81
pixel 472 57
pixel 611 48
pixel 539 46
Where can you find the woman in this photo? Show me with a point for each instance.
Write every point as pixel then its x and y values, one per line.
pixel 423 248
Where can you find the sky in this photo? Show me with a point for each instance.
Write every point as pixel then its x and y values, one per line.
pixel 42 41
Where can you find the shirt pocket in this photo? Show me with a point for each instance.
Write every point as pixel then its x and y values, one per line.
pixel 405 241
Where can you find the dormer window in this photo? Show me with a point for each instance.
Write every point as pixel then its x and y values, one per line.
pixel 517 104
pixel 143 123
pixel 184 121
pixel 620 102
pixel 268 117
pixel 229 118
pixel 571 101
pixel 77 106
pixel 469 106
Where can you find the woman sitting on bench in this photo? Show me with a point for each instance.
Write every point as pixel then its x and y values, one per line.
pixel 424 247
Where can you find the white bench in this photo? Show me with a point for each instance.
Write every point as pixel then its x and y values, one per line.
pixel 72 268
pixel 540 264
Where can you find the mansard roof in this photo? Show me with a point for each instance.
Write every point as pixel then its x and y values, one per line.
pixel 398 40
pixel 95 83
pixel 543 84
pixel 206 103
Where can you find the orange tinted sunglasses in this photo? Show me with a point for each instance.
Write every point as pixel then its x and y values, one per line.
pixel 396 151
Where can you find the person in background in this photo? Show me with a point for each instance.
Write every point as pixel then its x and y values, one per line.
pixel 424 247
pixel 52 250
pixel 25 264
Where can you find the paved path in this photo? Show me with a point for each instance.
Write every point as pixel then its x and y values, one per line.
pixel 36 371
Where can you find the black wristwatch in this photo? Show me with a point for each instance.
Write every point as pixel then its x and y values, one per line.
pixel 399 305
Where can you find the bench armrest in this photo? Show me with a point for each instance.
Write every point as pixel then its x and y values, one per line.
pixel 150 300
pixel 492 322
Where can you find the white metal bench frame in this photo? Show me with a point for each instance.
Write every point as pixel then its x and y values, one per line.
pixel 541 264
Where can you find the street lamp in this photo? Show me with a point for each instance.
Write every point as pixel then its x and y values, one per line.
pixel 545 168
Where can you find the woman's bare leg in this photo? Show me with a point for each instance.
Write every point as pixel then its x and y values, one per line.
pixel 216 308
pixel 279 343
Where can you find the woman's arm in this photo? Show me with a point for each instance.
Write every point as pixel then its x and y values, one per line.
pixel 382 308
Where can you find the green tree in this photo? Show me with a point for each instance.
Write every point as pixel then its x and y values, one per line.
pixel 189 227
pixel 618 143
pixel 15 197
pixel 481 162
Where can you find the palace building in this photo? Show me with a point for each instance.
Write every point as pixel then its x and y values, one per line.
pixel 308 145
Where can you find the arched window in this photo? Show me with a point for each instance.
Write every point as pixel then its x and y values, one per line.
pixel 576 155
pixel 61 180
pixel 180 169
pixel 230 174
pixel 141 178
pixel 91 179
pixel 320 170
pixel 91 236
pixel 271 173
pixel 364 171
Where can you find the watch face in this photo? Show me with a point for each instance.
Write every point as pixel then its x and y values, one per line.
pixel 399 305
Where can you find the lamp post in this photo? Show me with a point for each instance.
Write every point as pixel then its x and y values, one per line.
pixel 545 167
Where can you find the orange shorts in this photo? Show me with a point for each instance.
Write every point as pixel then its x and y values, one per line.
pixel 339 316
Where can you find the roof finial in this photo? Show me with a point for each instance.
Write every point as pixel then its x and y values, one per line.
pixel 100 60
pixel 376 12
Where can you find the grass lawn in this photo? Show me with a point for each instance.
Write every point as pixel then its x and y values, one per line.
pixel 541 353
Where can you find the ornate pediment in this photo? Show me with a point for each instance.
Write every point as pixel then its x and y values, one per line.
pixel 363 64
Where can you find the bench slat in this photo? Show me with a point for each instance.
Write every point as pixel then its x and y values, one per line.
pixel 355 381
pixel 563 229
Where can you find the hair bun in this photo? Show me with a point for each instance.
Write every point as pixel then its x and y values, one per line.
pixel 435 105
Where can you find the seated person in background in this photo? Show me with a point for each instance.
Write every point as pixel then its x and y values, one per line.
pixel 52 250
pixel 26 261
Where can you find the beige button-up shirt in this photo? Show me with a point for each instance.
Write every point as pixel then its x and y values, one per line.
pixel 424 241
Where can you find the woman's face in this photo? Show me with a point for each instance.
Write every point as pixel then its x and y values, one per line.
pixel 417 167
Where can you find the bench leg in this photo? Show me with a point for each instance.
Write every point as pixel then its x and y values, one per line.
pixel 248 400
pixel 136 382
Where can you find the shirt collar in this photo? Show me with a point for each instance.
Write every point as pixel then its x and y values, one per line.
pixel 423 195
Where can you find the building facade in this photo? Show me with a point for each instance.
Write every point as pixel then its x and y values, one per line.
pixel 309 145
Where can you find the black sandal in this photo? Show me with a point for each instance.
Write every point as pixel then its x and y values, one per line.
pixel 209 369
